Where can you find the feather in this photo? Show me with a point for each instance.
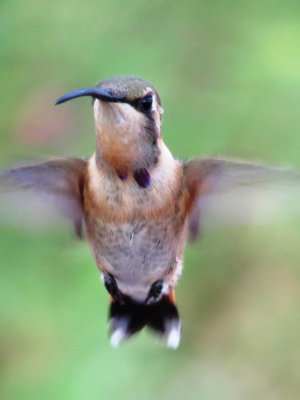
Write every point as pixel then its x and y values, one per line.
pixel 39 189
pixel 225 191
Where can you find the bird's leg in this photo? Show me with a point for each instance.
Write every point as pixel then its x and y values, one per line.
pixel 112 288
pixel 155 292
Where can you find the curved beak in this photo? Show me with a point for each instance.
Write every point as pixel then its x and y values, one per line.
pixel 97 93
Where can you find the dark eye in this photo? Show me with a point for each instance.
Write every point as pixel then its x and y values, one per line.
pixel 146 103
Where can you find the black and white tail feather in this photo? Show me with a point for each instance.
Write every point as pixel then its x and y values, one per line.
pixel 128 318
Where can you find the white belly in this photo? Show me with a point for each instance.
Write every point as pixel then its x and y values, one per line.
pixel 140 252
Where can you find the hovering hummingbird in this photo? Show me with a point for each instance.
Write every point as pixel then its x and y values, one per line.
pixel 136 203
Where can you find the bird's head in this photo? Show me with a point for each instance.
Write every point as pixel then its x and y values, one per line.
pixel 128 114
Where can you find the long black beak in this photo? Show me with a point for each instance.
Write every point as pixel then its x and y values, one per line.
pixel 97 93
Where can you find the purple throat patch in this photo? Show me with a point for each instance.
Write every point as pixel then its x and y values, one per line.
pixel 142 178
pixel 123 176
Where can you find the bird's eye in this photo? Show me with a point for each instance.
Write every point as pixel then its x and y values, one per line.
pixel 146 103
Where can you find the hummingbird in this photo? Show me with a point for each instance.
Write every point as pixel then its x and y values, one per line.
pixel 136 204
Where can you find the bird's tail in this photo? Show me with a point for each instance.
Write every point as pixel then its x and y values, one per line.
pixel 129 318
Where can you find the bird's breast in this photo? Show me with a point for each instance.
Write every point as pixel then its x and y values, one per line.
pixel 139 251
pixel 136 234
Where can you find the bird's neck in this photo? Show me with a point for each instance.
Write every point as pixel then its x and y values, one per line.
pixel 126 199
pixel 119 166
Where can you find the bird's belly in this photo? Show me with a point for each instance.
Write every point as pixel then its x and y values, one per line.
pixel 140 251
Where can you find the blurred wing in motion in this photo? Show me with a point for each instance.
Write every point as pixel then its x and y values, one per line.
pixel 41 190
pixel 225 191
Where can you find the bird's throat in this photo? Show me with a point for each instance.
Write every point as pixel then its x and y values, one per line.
pixel 142 178
pixel 141 175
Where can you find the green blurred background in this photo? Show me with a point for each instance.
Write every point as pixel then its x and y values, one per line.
pixel 229 76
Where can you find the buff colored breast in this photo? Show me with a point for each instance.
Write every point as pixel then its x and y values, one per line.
pixel 135 234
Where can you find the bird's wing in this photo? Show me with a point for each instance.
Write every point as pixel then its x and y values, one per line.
pixel 53 185
pixel 237 192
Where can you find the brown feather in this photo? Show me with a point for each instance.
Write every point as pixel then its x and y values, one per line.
pixel 239 184
pixel 59 181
